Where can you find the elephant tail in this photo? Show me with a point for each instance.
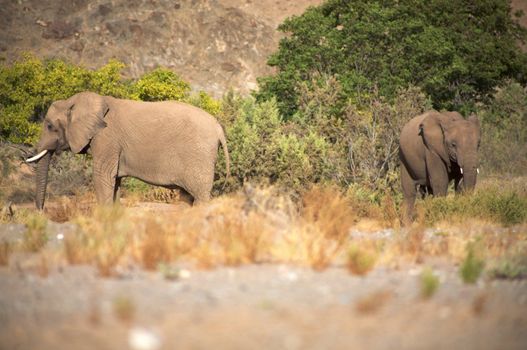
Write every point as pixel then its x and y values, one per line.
pixel 223 142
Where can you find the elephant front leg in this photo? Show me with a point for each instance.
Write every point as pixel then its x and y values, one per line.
pixel 105 185
pixel 458 184
pixel 437 174
pixel 409 193
pixel 105 169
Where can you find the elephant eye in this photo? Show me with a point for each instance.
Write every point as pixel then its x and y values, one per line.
pixel 453 144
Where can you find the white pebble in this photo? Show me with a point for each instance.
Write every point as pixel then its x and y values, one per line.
pixel 60 236
pixel 143 339
pixel 184 274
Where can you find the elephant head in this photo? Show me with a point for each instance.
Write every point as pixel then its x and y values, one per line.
pixel 69 124
pixel 456 141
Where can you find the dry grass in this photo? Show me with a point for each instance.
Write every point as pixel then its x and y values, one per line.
pixel 361 260
pixel 124 309
pixel 6 249
pixel 318 232
pixel 264 225
pixel 35 236
pixel 374 302
pixel 68 208
pixel 101 239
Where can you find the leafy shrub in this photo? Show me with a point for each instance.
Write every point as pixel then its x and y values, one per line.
pixel 455 51
pixel 35 236
pixel 505 206
pixel 504 131
pixel 511 266
pixel 70 174
pixel 30 85
pixel 429 283
pixel 360 260
pixel 373 139
pixel 159 85
pixel 473 264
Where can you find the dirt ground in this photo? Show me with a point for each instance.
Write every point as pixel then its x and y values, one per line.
pixel 266 306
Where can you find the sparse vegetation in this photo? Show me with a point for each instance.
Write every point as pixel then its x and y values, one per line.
pixel 6 248
pixel 494 202
pixel 512 265
pixel 473 264
pixel 360 260
pixel 35 236
pixel 124 308
pixel 100 239
pixel 429 283
pixel 373 302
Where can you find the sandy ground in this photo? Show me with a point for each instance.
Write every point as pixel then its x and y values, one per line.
pixel 252 307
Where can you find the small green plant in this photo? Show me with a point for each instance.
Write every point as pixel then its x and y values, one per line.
pixel 124 308
pixel 429 283
pixel 360 261
pixel 35 237
pixel 473 264
pixel 511 266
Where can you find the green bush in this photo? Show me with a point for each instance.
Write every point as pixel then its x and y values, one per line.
pixel 160 84
pixel 456 51
pixel 511 266
pixel 30 85
pixel 504 131
pixel 429 283
pixel 473 264
pixel 70 174
pixel 501 205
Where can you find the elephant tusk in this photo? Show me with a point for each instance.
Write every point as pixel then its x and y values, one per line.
pixel 37 157
pixel 477 169
pixel 461 171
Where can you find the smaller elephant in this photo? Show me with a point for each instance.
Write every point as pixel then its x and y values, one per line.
pixel 169 144
pixel 434 149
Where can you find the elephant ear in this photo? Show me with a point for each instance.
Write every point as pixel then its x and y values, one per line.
pixel 85 118
pixel 433 129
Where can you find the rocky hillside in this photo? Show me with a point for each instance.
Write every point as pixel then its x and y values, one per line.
pixel 214 44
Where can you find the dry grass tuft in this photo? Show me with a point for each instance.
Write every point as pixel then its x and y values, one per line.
pixel 361 260
pixel 325 220
pixel 155 247
pixel 35 237
pixel 67 208
pixel 429 283
pixel 101 239
pixel 124 309
pixel 373 302
pixel 479 302
pixel 6 249
pixel 43 266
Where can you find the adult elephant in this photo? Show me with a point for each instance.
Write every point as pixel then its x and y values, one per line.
pixel 436 148
pixel 171 144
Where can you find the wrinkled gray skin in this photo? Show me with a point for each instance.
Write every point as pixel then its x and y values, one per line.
pixel 434 149
pixel 169 144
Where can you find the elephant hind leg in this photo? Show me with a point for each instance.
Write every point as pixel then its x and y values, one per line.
pixel 201 188
pixel 409 193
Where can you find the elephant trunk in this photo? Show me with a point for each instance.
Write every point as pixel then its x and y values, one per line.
pixel 470 173
pixel 42 180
